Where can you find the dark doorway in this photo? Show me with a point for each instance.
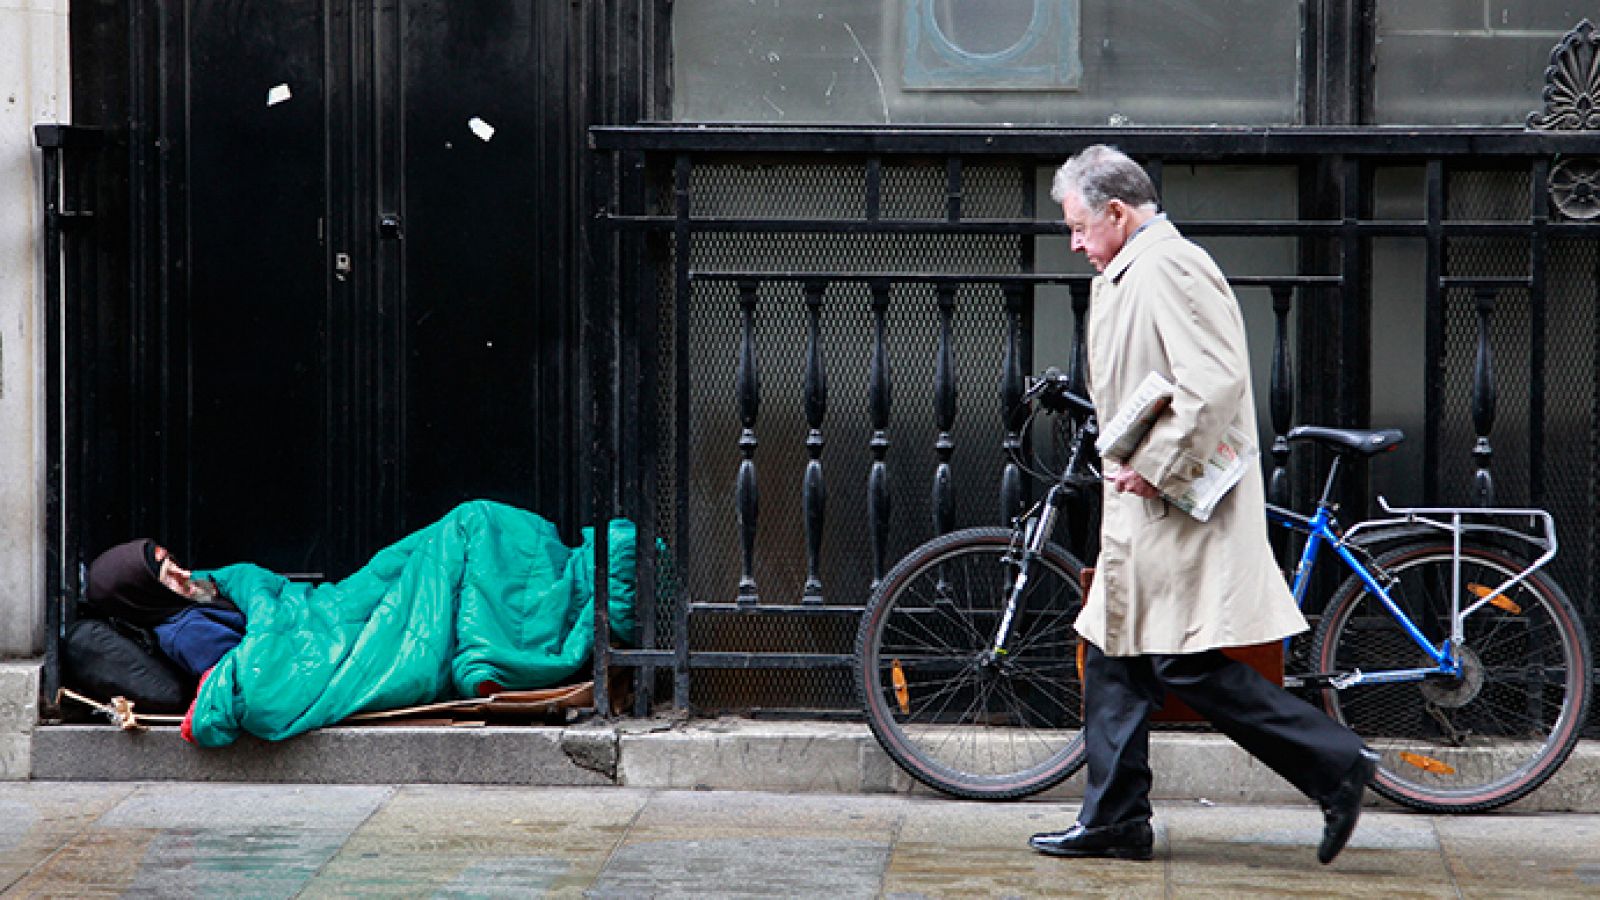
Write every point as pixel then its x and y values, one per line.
pixel 352 300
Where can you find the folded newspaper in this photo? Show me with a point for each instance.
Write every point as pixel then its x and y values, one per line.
pixel 1223 467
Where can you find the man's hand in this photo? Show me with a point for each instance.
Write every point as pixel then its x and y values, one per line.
pixel 1127 481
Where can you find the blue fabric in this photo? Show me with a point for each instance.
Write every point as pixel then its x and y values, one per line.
pixel 199 636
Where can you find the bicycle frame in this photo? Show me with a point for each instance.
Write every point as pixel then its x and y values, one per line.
pixel 1321 528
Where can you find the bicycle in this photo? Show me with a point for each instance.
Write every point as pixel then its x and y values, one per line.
pixel 969 677
pixel 1462 663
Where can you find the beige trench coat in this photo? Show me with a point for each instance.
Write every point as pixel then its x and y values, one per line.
pixel 1165 582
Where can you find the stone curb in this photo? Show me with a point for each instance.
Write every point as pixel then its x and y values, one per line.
pixel 723 754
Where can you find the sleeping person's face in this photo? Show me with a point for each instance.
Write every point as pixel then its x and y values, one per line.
pixel 175 577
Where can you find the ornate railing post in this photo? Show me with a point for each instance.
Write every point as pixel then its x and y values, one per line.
pixel 944 413
pixel 1078 365
pixel 1483 402
pixel 1280 404
pixel 748 386
pixel 1012 412
pixel 878 406
pixel 1280 395
pixel 813 491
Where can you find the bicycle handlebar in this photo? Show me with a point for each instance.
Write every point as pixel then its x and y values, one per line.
pixel 1051 390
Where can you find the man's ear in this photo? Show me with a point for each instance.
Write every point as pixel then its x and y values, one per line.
pixel 1116 211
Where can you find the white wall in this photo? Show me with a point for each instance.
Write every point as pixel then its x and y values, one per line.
pixel 33 88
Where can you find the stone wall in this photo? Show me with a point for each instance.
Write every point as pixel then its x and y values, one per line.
pixel 33 88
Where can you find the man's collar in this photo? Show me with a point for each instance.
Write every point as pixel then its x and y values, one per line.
pixel 1156 230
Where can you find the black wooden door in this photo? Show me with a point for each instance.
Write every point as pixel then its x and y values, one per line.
pixel 248 394
pixel 367 288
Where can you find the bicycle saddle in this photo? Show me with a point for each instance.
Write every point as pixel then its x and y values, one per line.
pixel 1350 440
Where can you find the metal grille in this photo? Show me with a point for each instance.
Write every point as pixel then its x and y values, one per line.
pixel 781 457
pixel 1488 195
pixel 1572 461
pixel 1508 341
pixel 1569 463
pixel 666 457
pixel 846 328
pixel 793 690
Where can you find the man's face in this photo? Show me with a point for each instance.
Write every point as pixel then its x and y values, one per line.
pixel 1097 236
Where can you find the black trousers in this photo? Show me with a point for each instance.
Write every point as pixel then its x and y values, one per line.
pixel 1289 735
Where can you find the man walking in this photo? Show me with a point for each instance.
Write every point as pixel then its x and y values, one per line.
pixel 1170 591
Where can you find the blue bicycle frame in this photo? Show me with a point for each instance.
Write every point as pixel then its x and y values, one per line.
pixel 1320 529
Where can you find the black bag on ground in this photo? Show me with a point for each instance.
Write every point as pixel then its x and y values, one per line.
pixel 104 661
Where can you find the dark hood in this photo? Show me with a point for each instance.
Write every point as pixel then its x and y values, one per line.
pixel 123 584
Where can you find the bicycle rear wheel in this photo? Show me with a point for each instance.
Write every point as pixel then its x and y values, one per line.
pixel 1480 740
pixel 953 717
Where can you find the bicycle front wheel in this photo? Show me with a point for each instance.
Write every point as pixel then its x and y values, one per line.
pixel 954 715
pixel 1491 735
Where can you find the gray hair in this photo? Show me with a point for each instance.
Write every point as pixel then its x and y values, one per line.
pixel 1101 173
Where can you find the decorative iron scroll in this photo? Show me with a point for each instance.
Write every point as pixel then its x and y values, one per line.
pixel 1571 84
pixel 1575 187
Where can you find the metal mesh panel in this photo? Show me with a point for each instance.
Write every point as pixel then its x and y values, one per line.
pixel 1508 341
pixel 1494 195
pixel 741 690
pixel 1572 349
pixel 777 191
pixel 1572 373
pixel 666 455
pixel 767 633
pixel 780 568
pixel 824 192
pixel 713 562
pixel 856 253
pixel 1486 195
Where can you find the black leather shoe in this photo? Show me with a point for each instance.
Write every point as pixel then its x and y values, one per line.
pixel 1127 840
pixel 1343 807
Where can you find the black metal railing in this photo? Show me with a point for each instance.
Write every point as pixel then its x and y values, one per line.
pixel 68 156
pixel 787 329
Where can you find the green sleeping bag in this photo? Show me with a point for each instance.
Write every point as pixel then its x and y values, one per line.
pixel 489 593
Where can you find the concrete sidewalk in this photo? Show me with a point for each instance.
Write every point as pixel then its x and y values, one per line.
pixel 184 839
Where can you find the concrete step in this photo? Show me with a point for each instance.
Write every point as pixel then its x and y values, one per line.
pixel 722 754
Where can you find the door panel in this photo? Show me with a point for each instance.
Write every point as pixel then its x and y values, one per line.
pixel 485 323
pixel 316 412
pixel 257 298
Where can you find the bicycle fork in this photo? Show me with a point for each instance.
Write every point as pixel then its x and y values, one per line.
pixel 1038 530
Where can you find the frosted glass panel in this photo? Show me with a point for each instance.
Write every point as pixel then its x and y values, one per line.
pixel 1023 62
pixel 1465 62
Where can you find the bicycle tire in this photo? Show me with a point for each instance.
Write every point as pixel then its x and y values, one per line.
pixel 979 730
pixel 1479 741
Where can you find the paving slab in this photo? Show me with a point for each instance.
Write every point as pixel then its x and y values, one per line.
pixel 37 819
pixel 206 840
pixel 74 839
pixel 1487 857
pixel 487 841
